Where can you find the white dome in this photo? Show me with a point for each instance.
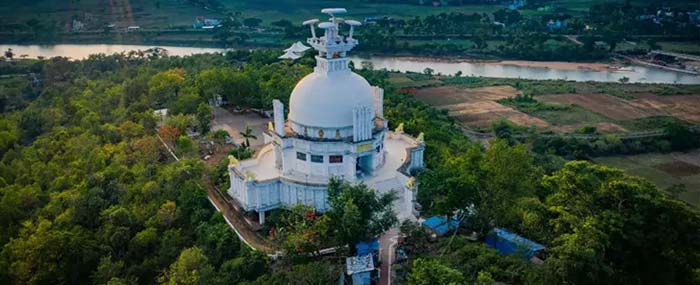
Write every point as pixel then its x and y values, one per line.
pixel 326 100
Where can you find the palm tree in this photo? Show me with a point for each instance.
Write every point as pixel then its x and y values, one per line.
pixel 248 134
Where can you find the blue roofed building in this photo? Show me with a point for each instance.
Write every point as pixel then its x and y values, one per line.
pixel 367 247
pixel 361 268
pixel 440 225
pixel 508 243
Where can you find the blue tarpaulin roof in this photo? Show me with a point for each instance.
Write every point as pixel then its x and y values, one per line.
pixel 440 225
pixel 509 243
pixel 367 247
pixel 362 278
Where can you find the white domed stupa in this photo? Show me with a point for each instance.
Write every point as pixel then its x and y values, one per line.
pixel 335 128
pixel 316 99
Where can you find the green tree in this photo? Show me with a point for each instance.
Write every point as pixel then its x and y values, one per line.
pixel 217 240
pixel 164 86
pixel 509 175
pixel 192 267
pixel 245 268
pixel 431 271
pixel 237 87
pixel 247 134
pixel 357 212
pixel 680 136
pixel 46 254
pixel 185 103
pixel 252 22
pixel 602 221
pixel 185 146
pixel 204 117
pixel 314 273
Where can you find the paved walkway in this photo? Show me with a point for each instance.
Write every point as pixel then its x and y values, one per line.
pixel 387 242
pixel 237 222
pixel 234 123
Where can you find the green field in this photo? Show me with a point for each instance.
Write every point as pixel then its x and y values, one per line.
pixel 98 13
pixel 682 47
pixel 297 11
pixel 567 116
pixel 664 170
pixel 160 13
pixel 401 80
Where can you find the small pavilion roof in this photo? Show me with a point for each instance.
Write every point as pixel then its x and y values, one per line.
pixel 297 47
pixel 289 55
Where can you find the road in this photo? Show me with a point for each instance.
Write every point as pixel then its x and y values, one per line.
pixel 386 243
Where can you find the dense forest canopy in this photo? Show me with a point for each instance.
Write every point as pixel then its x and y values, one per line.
pixel 89 195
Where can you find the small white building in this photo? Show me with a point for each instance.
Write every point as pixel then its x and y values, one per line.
pixel 335 128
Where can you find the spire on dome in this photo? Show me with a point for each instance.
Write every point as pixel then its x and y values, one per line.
pixel 332 47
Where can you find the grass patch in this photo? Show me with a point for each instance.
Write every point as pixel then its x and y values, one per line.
pixel 663 170
pixel 650 123
pixel 296 10
pixel 681 47
pixel 679 168
pixel 572 115
pixel 412 80
pixel 528 87
pixel 555 114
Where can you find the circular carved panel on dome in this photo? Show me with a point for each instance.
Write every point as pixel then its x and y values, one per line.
pixel 320 134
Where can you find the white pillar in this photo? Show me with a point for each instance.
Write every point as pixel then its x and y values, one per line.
pixel 278 115
pixel 261 217
pixel 378 101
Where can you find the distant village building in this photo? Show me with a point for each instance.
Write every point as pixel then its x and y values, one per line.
pixel 694 17
pixel 556 25
pixel 517 4
pixel 77 26
pixel 206 24
pixel 133 28
pixel 335 128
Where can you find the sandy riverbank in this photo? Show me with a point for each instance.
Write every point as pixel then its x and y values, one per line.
pixel 559 65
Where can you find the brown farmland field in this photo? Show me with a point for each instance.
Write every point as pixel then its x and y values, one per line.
pixel 684 107
pixel 477 107
pixel 606 105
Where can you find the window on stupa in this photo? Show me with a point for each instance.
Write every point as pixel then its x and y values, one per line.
pixel 335 159
pixel 301 156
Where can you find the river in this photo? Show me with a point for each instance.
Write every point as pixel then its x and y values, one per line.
pixel 635 73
